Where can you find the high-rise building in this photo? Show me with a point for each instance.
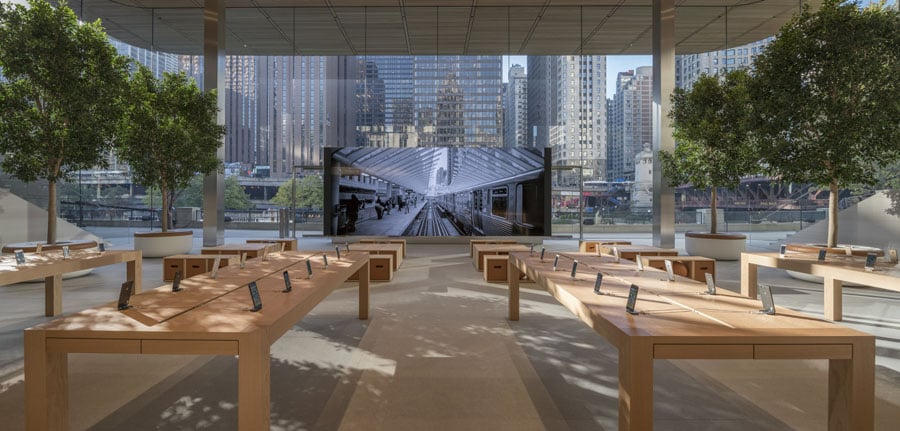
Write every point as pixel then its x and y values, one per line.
pixel 386 91
pixel 457 100
pixel 282 111
pixel 567 110
pixel 629 122
pixel 689 67
pixel 515 108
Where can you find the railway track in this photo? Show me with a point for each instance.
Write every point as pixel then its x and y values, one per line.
pixel 430 223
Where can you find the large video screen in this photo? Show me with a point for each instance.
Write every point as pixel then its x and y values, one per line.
pixel 437 191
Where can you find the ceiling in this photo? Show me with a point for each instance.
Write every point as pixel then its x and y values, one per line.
pixel 461 168
pixel 420 27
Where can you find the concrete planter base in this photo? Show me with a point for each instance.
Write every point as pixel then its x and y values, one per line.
pixel 720 246
pixel 161 244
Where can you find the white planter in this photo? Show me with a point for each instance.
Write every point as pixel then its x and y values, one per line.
pixel 723 246
pixel 162 244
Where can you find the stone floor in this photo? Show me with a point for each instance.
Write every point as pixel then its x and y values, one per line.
pixel 438 353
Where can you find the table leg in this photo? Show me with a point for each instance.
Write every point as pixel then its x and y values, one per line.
pixel 134 272
pixel 364 291
pixel 636 385
pixel 834 307
pixel 46 386
pixel 851 390
pixel 53 295
pixel 254 387
pixel 748 277
pixel 512 280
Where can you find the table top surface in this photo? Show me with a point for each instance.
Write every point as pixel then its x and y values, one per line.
pixel 210 308
pixel 481 247
pixel 673 311
pixel 52 262
pixel 240 247
pixel 378 246
pixel 838 265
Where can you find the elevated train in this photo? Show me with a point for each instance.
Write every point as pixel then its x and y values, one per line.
pixel 515 206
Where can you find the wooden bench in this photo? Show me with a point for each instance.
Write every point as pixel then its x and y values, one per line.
pixel 472 243
pixel 400 241
pixel 252 250
pixel 693 267
pixel 630 252
pixel 290 244
pixel 195 264
pixel 591 246
pixel 381 268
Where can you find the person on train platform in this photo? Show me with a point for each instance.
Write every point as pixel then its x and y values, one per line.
pixel 353 207
pixel 379 207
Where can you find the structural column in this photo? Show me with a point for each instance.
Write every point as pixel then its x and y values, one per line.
pixel 214 79
pixel 663 85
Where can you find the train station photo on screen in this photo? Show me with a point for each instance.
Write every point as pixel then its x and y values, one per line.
pixel 437 191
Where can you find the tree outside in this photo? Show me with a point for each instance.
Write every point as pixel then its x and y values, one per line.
pixel 826 98
pixel 712 133
pixel 309 192
pixel 192 195
pixel 61 96
pixel 169 134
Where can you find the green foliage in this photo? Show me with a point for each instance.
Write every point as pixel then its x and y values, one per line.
pixel 309 192
pixel 826 97
pixel 61 96
pixel 711 128
pixel 192 195
pixel 235 197
pixel 169 134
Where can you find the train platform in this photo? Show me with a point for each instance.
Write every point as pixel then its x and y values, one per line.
pixel 392 224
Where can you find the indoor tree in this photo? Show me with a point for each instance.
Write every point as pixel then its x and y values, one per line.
pixel 713 145
pixel 169 133
pixel 61 95
pixel 826 98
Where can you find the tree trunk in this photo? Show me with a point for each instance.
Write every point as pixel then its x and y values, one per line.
pixel 833 214
pixel 713 212
pixel 164 218
pixel 51 212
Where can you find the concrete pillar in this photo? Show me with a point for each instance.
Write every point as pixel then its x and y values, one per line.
pixel 214 79
pixel 663 85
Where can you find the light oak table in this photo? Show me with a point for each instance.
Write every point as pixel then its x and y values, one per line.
pixel 290 244
pixel 252 250
pixel 835 271
pixel 395 250
pixel 677 322
pixel 209 317
pixel 51 266
pixel 472 243
pixel 696 267
pixel 630 252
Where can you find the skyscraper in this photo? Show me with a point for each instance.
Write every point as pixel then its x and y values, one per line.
pixel 567 110
pixel 629 122
pixel 689 67
pixel 457 100
pixel 515 104
pixel 387 102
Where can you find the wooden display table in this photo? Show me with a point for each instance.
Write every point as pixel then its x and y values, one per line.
pixel 195 264
pixel 252 250
pixel 835 270
pixel 472 243
pixel 695 267
pixel 400 241
pixel 31 247
pixel 630 252
pixel 290 244
pixel 479 250
pixel 676 322
pixel 209 317
pixel 591 246
pixel 395 250
pixel 51 266
pixel 496 268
